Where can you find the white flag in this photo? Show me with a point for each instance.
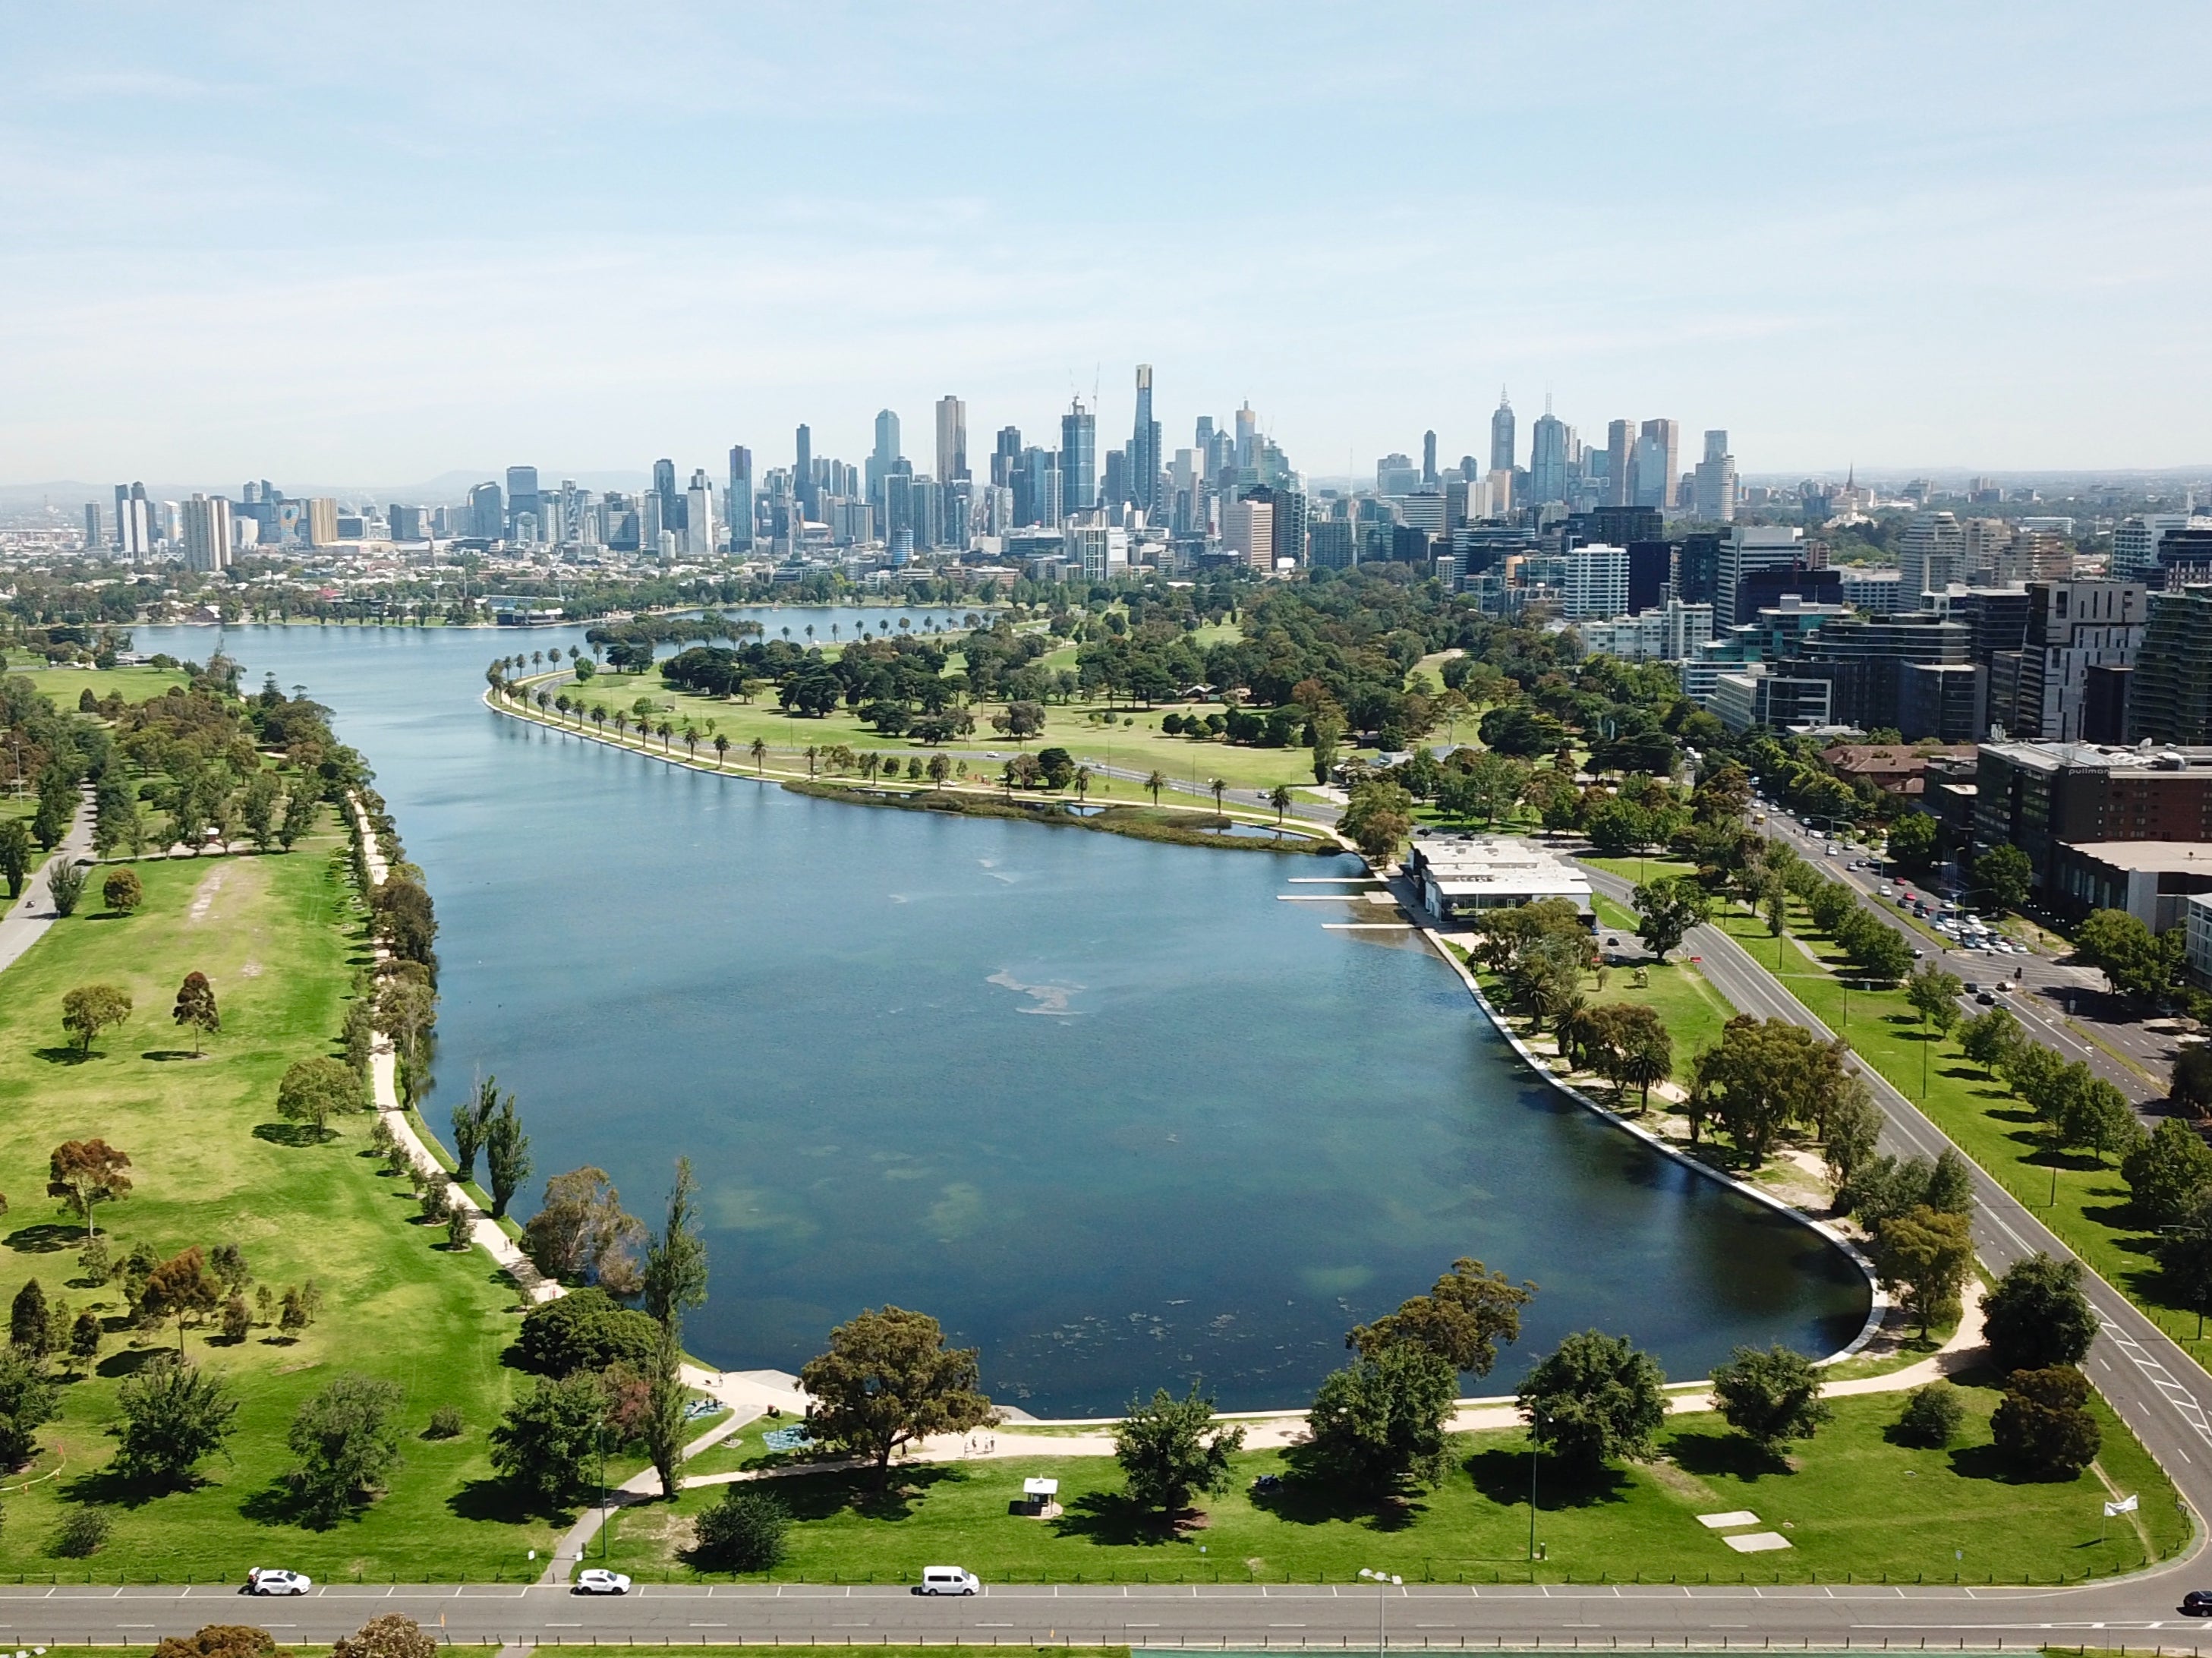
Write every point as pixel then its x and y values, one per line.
pixel 2125 1505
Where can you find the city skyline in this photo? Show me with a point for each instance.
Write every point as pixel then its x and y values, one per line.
pixel 397 236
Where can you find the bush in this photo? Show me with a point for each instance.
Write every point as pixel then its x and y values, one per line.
pixel 744 1531
pixel 445 1422
pixel 2042 1426
pixel 1932 1416
pixel 83 1532
pixel 392 1635
pixel 220 1641
pixel 587 1331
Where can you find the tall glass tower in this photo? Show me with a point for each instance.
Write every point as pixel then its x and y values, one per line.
pixel 1079 458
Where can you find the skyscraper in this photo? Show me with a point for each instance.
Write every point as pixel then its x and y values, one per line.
pixel 737 504
pixel 207 533
pixel 663 485
pixel 94 536
pixel 1005 457
pixel 802 472
pixel 1145 448
pixel 699 517
pixel 487 513
pixel 1429 459
pixel 1248 433
pixel 1652 465
pixel 951 440
pixel 1715 497
pixel 884 456
pixel 1547 458
pixel 1620 453
pixel 1501 435
pixel 1931 553
pixel 1079 458
pixel 521 499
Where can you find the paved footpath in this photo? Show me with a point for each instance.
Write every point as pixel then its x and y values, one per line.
pixel 27 919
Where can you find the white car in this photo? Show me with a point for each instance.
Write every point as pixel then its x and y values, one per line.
pixel 597 1580
pixel 270 1580
pixel 947 1580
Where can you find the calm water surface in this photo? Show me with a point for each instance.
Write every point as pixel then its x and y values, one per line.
pixel 1108 1110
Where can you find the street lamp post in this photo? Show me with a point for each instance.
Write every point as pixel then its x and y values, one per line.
pixel 1384 1583
pixel 1536 1432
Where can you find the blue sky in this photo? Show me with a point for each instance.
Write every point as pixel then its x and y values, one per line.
pixel 373 244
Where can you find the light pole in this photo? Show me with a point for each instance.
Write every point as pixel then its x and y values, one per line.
pixel 1535 1441
pixel 1383 1584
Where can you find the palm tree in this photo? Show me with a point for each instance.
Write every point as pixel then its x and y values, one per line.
pixel 561 704
pixel 870 764
pixel 544 702
pixel 1221 786
pixel 1082 783
pixel 691 742
pixel 1156 782
pixel 810 633
pixel 811 752
pixel 759 752
pixel 622 725
pixel 599 719
pixel 834 630
pixel 667 731
pixel 1279 798
pixel 721 748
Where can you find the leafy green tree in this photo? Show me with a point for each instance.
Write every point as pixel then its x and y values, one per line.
pixel 1595 1398
pixel 2170 1174
pixel 65 885
pixel 29 1330
pixel 1913 840
pixel 84 1338
pixel 174 1417
pixel 181 1288
pixel 1766 1076
pixel 676 1262
pixel 315 1090
pixel 2191 1089
pixel 1922 1257
pixel 888 1379
pixel 543 1447
pixel 1935 995
pixel 1465 1314
pixel 581 1231
pixel 123 891
pixel 1991 1039
pixel 2038 1316
pixel 347 1440
pixel 1854 1125
pixel 85 1174
pixel 28 1401
pixel 1377 817
pixel 471 1122
pixel 1377 1425
pixel 301 810
pixel 745 1530
pixel 1172 1446
pixel 1932 1416
pixel 2043 1424
pixel 196 1009
pixel 2000 877
pixel 2136 963
pixel 506 1156
pixel 665 1424
pixel 90 1009
pixel 1667 910
pixel 1771 1397
pixel 585 1330
pixel 14 855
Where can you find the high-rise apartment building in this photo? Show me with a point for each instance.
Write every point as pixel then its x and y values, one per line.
pixel 1597 582
pixel 737 499
pixel 1005 457
pixel 802 472
pixel 320 521
pixel 95 536
pixel 1501 435
pixel 1742 551
pixel 1931 553
pixel 699 537
pixel 1713 494
pixel 207 533
pixel 952 438
pixel 2041 692
pixel 1079 458
pixel 2170 693
pixel 2136 541
pixel 1144 449
pixel 1248 529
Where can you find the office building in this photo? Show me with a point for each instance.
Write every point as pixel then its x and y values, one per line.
pixel 1549 441
pixel 2170 694
pixel 1755 696
pixel 1945 701
pixel 1747 548
pixel 206 526
pixel 1395 475
pixel 1430 480
pixel 884 457
pixel 1714 491
pixel 2135 543
pixel 1144 450
pixel 2103 828
pixel 1079 458
pixel 1597 581
pixel 1650 567
pixel 738 499
pixel 319 521
pixel 1248 437
pixel 1864 662
pixel 1652 465
pixel 1100 551
pixel 1697 568
pixel 699 537
pixel 522 502
pixel 1006 456
pixel 1248 530
pixel 1619 452
pixel 1872 588
pixel 404 523
pixel 487 514
pixel 1331 543
pixel 951 440
pixel 95 533
pixel 1501 435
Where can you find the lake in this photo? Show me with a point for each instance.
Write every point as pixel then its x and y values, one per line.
pixel 1108 1110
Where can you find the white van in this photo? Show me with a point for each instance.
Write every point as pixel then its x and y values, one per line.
pixel 948 1580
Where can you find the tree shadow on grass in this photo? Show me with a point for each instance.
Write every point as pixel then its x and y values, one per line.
pixel 61 1056
pixel 280 1503
pixel 109 1488
pixel 162 1056
pixel 1988 1462
pixel 1307 1500
pixel 1732 1455
pixel 129 1361
pixel 1503 1477
pixel 505 1504
pixel 1113 1520
pixel 46 1237
pixel 288 1133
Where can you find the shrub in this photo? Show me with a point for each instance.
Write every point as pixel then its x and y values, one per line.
pixel 445 1422
pixel 82 1531
pixel 587 1331
pixel 221 1641
pixel 458 1228
pixel 2042 1425
pixel 124 894
pixel 392 1635
pixel 1932 1416
pixel 746 1531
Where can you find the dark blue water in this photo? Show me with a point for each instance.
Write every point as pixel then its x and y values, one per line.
pixel 1107 1108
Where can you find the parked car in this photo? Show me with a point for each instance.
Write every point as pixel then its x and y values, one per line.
pixel 2198 1603
pixel 947 1580
pixel 597 1580
pixel 1985 999
pixel 275 1580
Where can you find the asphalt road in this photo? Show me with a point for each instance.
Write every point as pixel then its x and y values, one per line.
pixel 2138 1612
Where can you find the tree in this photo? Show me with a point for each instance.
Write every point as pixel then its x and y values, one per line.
pixel 181 1288
pixel 1922 1257
pixel 1378 1425
pixel 347 1439
pixel 65 885
pixel 394 1635
pixel 2000 877
pixel 1667 910
pixel 1156 782
pixel 1990 1039
pixel 1932 1416
pixel 1637 1048
pixel 506 1156
pixel 85 1172
pixel 29 1331
pixel 2136 963
pixel 743 1531
pixel 543 1444
pixel 2042 1424
pixel 585 1330
pixel 580 1231
pixel 1466 1314
pixel 84 1338
pixel 471 1120
pixel 122 891
pixel 1765 1076
pixel 28 1401
pixel 1593 1398
pixel 301 810
pixel 315 1090
pixel 2038 1316
pixel 14 855
pixel 174 1418
pixel 1854 1125
pixel 889 1378
pixel 1377 816
pixel 196 1010
pixel 1771 1397
pixel 675 1279
pixel 2191 1089
pixel 2170 1174
pixel 666 1400
pixel 1935 995
pixel 1279 798
pixel 1173 1447
pixel 1912 843
pixel 90 1009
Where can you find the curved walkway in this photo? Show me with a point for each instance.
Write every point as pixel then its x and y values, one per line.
pixel 27 919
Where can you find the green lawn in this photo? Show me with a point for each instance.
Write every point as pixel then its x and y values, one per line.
pixel 279 938
pixel 66 685
pixel 1855 1504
